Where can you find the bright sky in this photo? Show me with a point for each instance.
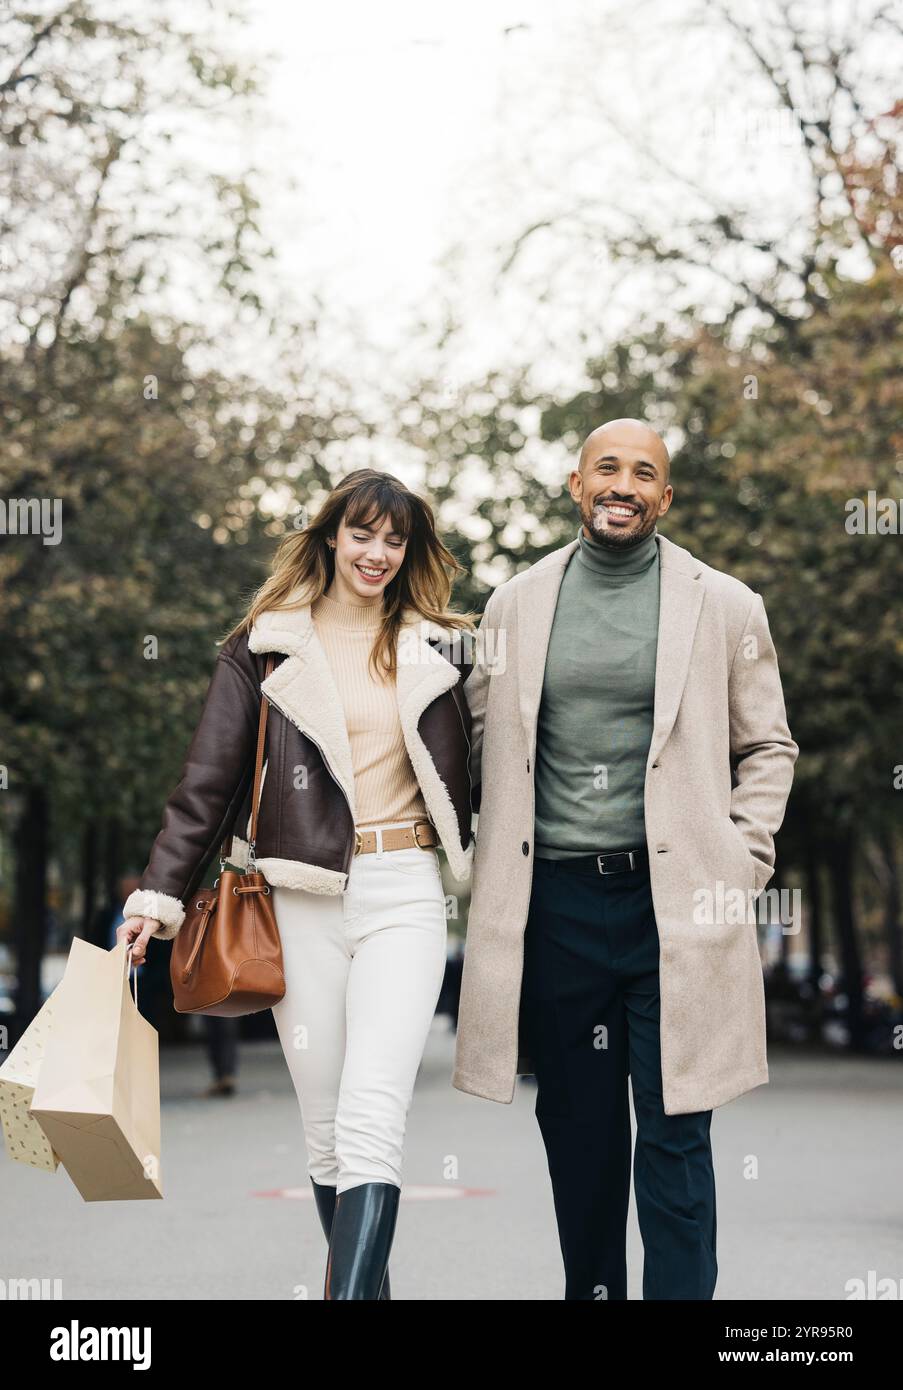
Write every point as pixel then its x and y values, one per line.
pixel 385 105
pixel 389 112
pixel 410 128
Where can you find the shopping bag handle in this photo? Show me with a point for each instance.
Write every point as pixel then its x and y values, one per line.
pixel 128 950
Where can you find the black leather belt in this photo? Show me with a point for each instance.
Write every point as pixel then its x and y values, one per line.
pixel 619 861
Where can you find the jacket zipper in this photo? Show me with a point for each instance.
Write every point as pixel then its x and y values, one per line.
pixel 467 741
pixel 325 761
pixel 348 855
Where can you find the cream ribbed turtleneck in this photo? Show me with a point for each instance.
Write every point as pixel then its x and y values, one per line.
pixel 385 788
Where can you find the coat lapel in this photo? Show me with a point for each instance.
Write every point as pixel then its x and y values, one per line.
pixel 680 599
pixel 537 595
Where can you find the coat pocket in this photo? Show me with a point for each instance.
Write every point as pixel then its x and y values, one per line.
pixel 742 857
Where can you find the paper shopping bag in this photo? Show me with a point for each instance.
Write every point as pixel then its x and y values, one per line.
pixel 98 1094
pixel 25 1140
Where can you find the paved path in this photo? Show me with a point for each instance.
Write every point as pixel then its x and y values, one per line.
pixel 827 1205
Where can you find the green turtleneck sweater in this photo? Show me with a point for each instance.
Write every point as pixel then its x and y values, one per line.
pixel 595 716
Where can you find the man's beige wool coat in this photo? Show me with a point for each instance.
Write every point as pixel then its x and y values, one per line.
pixel 718 775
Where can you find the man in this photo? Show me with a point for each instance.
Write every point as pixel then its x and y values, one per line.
pixel 632 762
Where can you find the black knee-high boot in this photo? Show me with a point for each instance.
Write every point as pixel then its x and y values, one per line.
pixel 324 1196
pixel 363 1226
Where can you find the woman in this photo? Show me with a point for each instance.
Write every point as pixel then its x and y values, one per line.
pixel 367 770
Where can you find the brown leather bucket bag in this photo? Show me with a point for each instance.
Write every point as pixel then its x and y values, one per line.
pixel 227 958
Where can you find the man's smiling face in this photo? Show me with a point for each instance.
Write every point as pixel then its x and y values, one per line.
pixel 621 485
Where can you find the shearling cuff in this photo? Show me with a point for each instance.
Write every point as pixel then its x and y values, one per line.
pixel 169 912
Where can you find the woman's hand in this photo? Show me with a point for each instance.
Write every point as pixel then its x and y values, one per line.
pixel 138 930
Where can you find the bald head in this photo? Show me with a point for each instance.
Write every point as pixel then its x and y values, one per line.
pixel 627 435
pixel 622 483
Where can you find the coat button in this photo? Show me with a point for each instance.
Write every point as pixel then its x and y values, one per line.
pixel 525 848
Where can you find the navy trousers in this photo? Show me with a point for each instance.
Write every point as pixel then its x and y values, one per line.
pixel 589 1017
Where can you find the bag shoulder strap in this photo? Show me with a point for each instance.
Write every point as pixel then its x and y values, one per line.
pixel 226 847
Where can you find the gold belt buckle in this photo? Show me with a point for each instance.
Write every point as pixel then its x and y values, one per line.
pixel 358 842
pixel 416 827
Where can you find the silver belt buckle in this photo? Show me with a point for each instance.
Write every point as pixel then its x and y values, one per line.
pixel 629 852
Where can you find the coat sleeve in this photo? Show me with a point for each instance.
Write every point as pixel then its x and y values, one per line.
pixel 476 688
pixel 762 751
pixel 206 801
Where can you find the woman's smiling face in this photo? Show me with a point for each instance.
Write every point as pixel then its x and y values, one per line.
pixel 367 558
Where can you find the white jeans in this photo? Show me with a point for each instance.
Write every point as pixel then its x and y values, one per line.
pixel 363 971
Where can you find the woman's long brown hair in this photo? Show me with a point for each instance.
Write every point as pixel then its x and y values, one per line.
pixel 304 561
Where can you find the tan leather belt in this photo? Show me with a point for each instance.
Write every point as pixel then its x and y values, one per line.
pixel 420 834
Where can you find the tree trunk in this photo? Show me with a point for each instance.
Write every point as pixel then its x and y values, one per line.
pixel 778 883
pixel 112 865
pixel 89 880
pixel 30 841
pixel 845 926
pixel 816 935
pixel 892 926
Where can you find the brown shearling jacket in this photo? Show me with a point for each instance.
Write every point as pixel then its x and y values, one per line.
pixel 306 823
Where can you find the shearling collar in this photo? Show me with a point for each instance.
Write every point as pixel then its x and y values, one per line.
pixel 303 689
pixel 289 629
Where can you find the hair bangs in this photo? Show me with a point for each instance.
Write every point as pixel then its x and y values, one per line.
pixel 375 499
